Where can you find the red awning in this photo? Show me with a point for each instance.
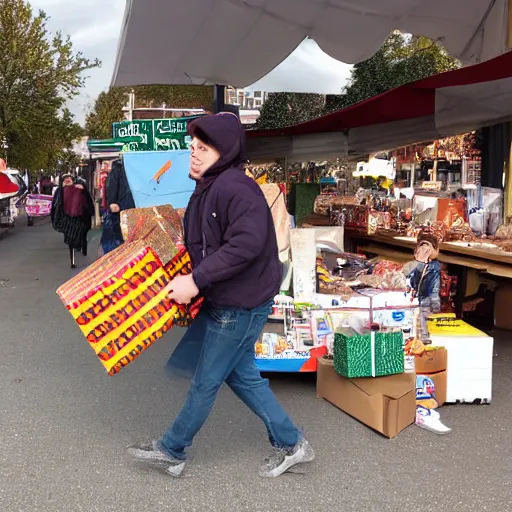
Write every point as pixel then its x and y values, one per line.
pixel 420 99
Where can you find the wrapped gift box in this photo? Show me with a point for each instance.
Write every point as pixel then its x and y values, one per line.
pixel 160 227
pixel 385 404
pixel 371 354
pixel 121 302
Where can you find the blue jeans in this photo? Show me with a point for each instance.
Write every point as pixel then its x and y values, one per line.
pixel 218 348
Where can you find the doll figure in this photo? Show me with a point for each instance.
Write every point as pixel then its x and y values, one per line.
pixel 425 278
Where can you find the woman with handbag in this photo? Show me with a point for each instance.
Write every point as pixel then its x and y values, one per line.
pixel 71 215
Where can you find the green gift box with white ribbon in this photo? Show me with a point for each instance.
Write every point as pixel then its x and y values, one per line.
pixel 370 354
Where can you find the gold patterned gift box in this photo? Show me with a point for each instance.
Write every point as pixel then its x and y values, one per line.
pixel 121 302
pixel 159 226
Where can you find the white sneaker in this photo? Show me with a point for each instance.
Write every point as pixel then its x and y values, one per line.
pixel 430 420
pixel 154 455
pixel 281 460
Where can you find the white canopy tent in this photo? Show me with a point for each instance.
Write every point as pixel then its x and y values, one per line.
pixel 237 42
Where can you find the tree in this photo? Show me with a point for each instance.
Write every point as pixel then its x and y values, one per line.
pixel 38 74
pixel 51 149
pixel 108 107
pixel 401 59
pixel 287 109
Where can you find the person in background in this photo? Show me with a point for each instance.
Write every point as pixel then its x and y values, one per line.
pixel 72 211
pixel 229 233
pixel 46 186
pixel 118 197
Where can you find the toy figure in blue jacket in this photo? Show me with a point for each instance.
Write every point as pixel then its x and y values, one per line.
pixel 425 279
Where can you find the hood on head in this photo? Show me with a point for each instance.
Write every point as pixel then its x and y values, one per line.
pixel 226 134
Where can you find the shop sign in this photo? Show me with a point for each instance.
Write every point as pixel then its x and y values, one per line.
pixel 153 134
pixel 434 186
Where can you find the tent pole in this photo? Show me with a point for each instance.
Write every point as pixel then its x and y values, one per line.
pixel 507 210
pixel 509 25
pixel 219 98
pixel 286 175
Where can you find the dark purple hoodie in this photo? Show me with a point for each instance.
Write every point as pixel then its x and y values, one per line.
pixel 229 231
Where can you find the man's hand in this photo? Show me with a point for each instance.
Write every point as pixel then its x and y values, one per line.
pixel 183 289
pixel 114 208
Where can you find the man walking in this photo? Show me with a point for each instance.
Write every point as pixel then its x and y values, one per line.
pixel 229 233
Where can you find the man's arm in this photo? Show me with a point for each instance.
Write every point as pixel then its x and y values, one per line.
pixel 245 238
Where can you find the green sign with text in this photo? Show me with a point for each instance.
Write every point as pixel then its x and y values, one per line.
pixel 153 134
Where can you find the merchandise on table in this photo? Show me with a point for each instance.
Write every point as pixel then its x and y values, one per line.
pixel 323 204
pixel 346 266
pixel 351 216
pixel 293 344
pixel 370 354
pixel 385 404
pixel 378 221
pixel 121 302
pixel 386 275
pixel 328 283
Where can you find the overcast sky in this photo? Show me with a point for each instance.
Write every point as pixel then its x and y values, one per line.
pixel 94 27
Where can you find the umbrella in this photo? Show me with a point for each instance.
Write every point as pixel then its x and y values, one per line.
pixel 8 187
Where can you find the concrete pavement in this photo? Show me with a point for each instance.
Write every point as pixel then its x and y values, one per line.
pixel 64 425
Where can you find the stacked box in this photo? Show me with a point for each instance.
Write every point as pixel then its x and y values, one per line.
pixel 371 354
pixel 121 302
pixel 160 227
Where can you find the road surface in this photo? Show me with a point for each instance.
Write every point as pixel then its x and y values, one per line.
pixel 64 425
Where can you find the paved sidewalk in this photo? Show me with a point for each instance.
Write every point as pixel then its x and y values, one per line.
pixel 64 425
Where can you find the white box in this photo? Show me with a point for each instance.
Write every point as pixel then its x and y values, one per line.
pixel 469 368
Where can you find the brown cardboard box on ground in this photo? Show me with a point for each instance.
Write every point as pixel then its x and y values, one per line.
pixel 385 404
pixel 502 300
pixel 431 361
pixel 440 382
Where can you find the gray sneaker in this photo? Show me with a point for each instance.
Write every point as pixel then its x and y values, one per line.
pixel 154 454
pixel 282 460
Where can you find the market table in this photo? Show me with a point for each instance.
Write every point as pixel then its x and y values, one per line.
pixel 493 262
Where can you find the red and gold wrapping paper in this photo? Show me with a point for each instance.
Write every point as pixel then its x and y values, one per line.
pixel 160 227
pixel 130 218
pixel 121 302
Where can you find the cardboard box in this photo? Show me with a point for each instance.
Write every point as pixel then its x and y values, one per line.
pixel 502 316
pixel 385 404
pixel 432 361
pixel 440 381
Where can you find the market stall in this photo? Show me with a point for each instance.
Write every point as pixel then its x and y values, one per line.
pixel 441 182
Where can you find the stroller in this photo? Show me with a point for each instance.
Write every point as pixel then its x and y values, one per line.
pixel 37 206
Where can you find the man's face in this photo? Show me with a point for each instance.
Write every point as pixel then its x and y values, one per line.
pixel 202 158
pixel 68 182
